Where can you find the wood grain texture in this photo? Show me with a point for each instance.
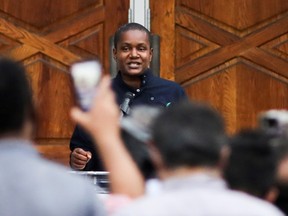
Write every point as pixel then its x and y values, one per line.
pixel 41 14
pixel 162 17
pixel 47 36
pixel 52 90
pixel 243 70
pixel 231 50
pixel 230 54
pixel 37 43
pixel 56 150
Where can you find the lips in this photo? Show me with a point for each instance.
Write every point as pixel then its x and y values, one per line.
pixel 134 65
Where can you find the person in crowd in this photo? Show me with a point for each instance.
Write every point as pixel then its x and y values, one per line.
pixel 187 148
pixel 252 164
pixel 31 185
pixel 281 144
pixel 136 133
pixel 274 123
pixel 134 84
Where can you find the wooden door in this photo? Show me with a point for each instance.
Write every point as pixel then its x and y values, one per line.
pixel 47 36
pixel 231 54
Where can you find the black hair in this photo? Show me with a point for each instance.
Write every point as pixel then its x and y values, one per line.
pixel 280 143
pixel 139 152
pixel 16 104
pixel 128 27
pixel 189 134
pixel 252 163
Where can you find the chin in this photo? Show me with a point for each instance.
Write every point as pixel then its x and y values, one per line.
pixel 134 72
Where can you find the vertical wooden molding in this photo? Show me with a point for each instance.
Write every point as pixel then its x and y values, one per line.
pixel 163 24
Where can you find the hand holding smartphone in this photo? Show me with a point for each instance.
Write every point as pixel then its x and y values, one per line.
pixel 85 76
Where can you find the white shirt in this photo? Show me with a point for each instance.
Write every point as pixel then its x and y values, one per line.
pixel 199 195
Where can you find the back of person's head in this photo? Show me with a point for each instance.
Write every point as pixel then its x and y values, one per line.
pixel 139 152
pixel 281 145
pixel 252 163
pixel 136 133
pixel 16 105
pixel 189 134
pixel 274 122
pixel 129 27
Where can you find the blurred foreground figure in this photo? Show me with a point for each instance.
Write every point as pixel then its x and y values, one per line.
pixel 252 164
pixel 187 148
pixel 275 123
pixel 282 174
pixel 136 134
pixel 30 185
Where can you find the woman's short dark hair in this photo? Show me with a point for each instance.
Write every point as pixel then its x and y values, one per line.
pixel 128 27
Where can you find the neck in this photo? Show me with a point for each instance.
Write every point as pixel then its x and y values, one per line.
pixel 26 132
pixel 186 171
pixel 132 81
pixel 11 135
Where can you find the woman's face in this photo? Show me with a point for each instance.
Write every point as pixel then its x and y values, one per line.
pixel 133 53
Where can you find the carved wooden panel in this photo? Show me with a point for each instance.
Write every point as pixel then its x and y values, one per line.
pixel 233 55
pixel 163 24
pixel 47 36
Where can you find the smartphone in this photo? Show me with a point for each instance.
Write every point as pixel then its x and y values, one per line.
pixel 85 77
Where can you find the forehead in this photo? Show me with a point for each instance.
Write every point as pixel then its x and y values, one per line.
pixel 134 37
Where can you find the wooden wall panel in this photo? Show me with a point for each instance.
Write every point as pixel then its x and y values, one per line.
pixel 233 55
pixel 47 36
pixel 240 90
pixel 52 94
pixel 162 24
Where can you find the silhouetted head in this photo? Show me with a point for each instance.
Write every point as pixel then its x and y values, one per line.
pixel 252 163
pixel 16 105
pixel 136 133
pixel 189 135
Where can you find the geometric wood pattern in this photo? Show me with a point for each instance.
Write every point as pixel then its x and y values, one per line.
pixel 240 89
pixel 47 36
pixel 196 46
pixel 230 54
pixel 248 46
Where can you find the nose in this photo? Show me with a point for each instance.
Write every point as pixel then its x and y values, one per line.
pixel 134 53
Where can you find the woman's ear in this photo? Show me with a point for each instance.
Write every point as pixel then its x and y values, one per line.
pixel 114 54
